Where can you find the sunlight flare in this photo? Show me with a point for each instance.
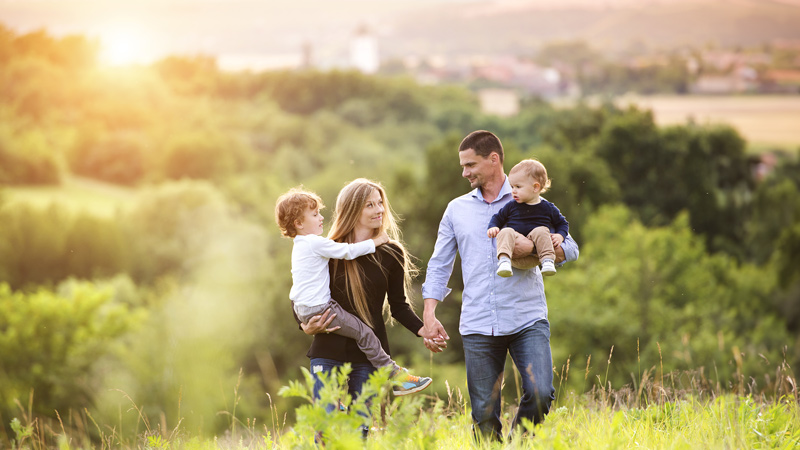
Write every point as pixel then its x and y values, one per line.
pixel 125 45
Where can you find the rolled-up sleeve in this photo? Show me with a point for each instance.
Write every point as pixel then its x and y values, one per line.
pixel 571 250
pixel 440 266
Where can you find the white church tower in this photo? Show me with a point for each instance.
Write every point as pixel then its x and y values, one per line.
pixel 364 51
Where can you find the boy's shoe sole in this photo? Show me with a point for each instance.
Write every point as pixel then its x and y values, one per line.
pixel 425 383
pixel 548 269
pixel 504 269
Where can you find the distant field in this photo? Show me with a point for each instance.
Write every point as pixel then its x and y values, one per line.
pixel 78 194
pixel 767 122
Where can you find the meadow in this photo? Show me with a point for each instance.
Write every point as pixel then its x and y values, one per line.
pixel 77 194
pixel 672 411
pixel 767 122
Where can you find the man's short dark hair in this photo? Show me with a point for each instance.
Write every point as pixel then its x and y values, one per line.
pixel 484 143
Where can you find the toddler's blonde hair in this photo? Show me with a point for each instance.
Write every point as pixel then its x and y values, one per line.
pixel 534 169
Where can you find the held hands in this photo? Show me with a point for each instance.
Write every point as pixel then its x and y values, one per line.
pixel 432 332
pixel 435 345
pixel 381 239
pixel 492 232
pixel 557 239
pixel 319 324
pixel 434 336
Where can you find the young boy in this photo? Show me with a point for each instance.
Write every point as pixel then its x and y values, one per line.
pixel 528 215
pixel 298 217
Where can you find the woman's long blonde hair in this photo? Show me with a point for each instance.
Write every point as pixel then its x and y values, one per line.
pixel 349 205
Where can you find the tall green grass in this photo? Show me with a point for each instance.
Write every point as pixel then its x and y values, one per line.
pixel 659 411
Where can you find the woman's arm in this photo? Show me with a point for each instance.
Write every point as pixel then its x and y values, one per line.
pixel 319 323
pixel 396 294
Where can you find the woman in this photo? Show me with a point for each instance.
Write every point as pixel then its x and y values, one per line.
pixel 363 286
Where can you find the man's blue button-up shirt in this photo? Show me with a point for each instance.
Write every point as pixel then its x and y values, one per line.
pixel 491 305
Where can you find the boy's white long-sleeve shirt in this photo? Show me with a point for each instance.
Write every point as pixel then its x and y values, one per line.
pixel 310 276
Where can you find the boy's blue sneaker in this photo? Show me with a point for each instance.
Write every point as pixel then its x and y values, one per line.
pixel 409 384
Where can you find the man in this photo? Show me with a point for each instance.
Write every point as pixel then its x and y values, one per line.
pixel 498 315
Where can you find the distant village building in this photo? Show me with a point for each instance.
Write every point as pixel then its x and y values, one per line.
pixel 546 82
pixel 782 81
pixel 717 84
pixel 500 102
pixel 364 51
pixel 739 80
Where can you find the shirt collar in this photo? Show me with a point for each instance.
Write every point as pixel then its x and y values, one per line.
pixel 504 190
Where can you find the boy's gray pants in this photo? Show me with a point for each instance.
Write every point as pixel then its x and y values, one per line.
pixel 350 326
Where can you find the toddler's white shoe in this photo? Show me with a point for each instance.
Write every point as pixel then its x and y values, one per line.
pixel 504 268
pixel 548 268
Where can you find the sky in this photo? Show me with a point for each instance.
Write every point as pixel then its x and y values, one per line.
pixel 254 33
pixel 146 30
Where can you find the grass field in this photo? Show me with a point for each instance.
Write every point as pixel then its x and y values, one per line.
pixel 654 416
pixel 725 422
pixel 767 122
pixel 77 194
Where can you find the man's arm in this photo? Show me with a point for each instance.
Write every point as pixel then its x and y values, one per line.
pixel 437 275
pixel 435 337
pixel 566 252
pixel 560 224
pixel 570 249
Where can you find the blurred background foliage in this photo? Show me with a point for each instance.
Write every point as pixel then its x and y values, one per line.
pixel 140 264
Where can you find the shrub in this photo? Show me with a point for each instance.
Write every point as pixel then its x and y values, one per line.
pixel 27 160
pixel 49 343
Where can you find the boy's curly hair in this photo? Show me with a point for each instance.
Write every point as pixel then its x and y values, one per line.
pixel 291 206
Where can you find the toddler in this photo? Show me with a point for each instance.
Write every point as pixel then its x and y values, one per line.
pixel 530 216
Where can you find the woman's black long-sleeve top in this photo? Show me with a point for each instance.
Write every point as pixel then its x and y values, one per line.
pixel 378 285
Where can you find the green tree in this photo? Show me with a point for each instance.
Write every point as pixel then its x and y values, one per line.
pixel 195 75
pixel 657 297
pixel 775 207
pixel 772 234
pixel 200 155
pixel 571 129
pixel 95 248
pixel 50 342
pixel 117 158
pixel 45 246
pixel 32 244
pixel 26 159
pixel 442 182
pixel 704 170
pixel 169 228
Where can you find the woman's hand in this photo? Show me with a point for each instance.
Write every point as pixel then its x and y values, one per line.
pixel 319 323
pixel 432 331
pixel 435 345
